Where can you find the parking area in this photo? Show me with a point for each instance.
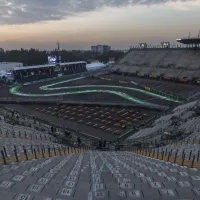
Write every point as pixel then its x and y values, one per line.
pixel 115 121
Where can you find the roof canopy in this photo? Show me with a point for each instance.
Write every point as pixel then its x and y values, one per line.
pixel 189 40
pixel 48 65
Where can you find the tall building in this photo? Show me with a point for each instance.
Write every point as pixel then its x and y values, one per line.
pixel 100 48
pixel 94 49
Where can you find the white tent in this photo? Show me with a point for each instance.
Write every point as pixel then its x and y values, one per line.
pixel 94 66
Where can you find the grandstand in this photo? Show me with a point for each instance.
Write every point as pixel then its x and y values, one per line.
pixel 16 72
pixel 127 131
pixel 174 64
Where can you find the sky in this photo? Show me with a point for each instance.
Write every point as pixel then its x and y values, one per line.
pixel 78 24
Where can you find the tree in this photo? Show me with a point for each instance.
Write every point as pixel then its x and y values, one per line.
pixel 36 57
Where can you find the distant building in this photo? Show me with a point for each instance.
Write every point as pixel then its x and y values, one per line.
pixel 100 48
pixel 94 49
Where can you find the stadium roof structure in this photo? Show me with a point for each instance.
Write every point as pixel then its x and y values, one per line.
pixel 48 65
pixel 189 40
pixel 10 65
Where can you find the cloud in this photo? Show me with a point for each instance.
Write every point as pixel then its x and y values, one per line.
pixel 31 11
pixel 184 5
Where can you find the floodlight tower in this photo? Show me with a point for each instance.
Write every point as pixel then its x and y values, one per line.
pixel 58 45
pixel 188 45
pixel 143 45
pixel 197 45
pixel 58 52
pixel 165 44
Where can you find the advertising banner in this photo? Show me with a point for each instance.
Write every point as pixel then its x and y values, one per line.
pixel 52 59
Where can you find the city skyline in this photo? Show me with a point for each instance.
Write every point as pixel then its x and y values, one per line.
pixel 81 24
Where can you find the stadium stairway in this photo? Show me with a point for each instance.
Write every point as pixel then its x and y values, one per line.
pixel 96 175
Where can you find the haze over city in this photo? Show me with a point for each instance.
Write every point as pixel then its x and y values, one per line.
pixel 79 24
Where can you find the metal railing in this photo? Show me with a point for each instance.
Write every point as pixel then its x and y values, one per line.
pixel 39 152
pixel 27 120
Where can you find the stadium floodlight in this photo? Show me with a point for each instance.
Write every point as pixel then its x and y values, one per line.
pixel 57 45
pixel 143 45
pixel 165 44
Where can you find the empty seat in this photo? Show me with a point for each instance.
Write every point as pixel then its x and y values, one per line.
pixel 99 175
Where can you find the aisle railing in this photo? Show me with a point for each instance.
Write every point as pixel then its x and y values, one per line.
pixel 38 152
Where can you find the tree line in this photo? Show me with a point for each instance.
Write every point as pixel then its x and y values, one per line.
pixel 37 57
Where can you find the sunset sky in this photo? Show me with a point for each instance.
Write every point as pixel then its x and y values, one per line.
pixel 78 24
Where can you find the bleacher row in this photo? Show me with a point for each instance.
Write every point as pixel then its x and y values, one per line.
pixel 99 175
pixel 18 131
pixel 34 166
pixel 184 121
pixel 169 62
pixel 17 141
pixel 182 112
pixel 26 126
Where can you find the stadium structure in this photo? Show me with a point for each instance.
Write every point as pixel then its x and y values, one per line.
pixel 126 131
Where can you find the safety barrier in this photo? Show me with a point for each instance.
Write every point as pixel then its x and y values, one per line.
pixel 192 161
pixel 39 152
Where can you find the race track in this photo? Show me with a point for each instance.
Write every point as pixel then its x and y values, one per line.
pixel 49 88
